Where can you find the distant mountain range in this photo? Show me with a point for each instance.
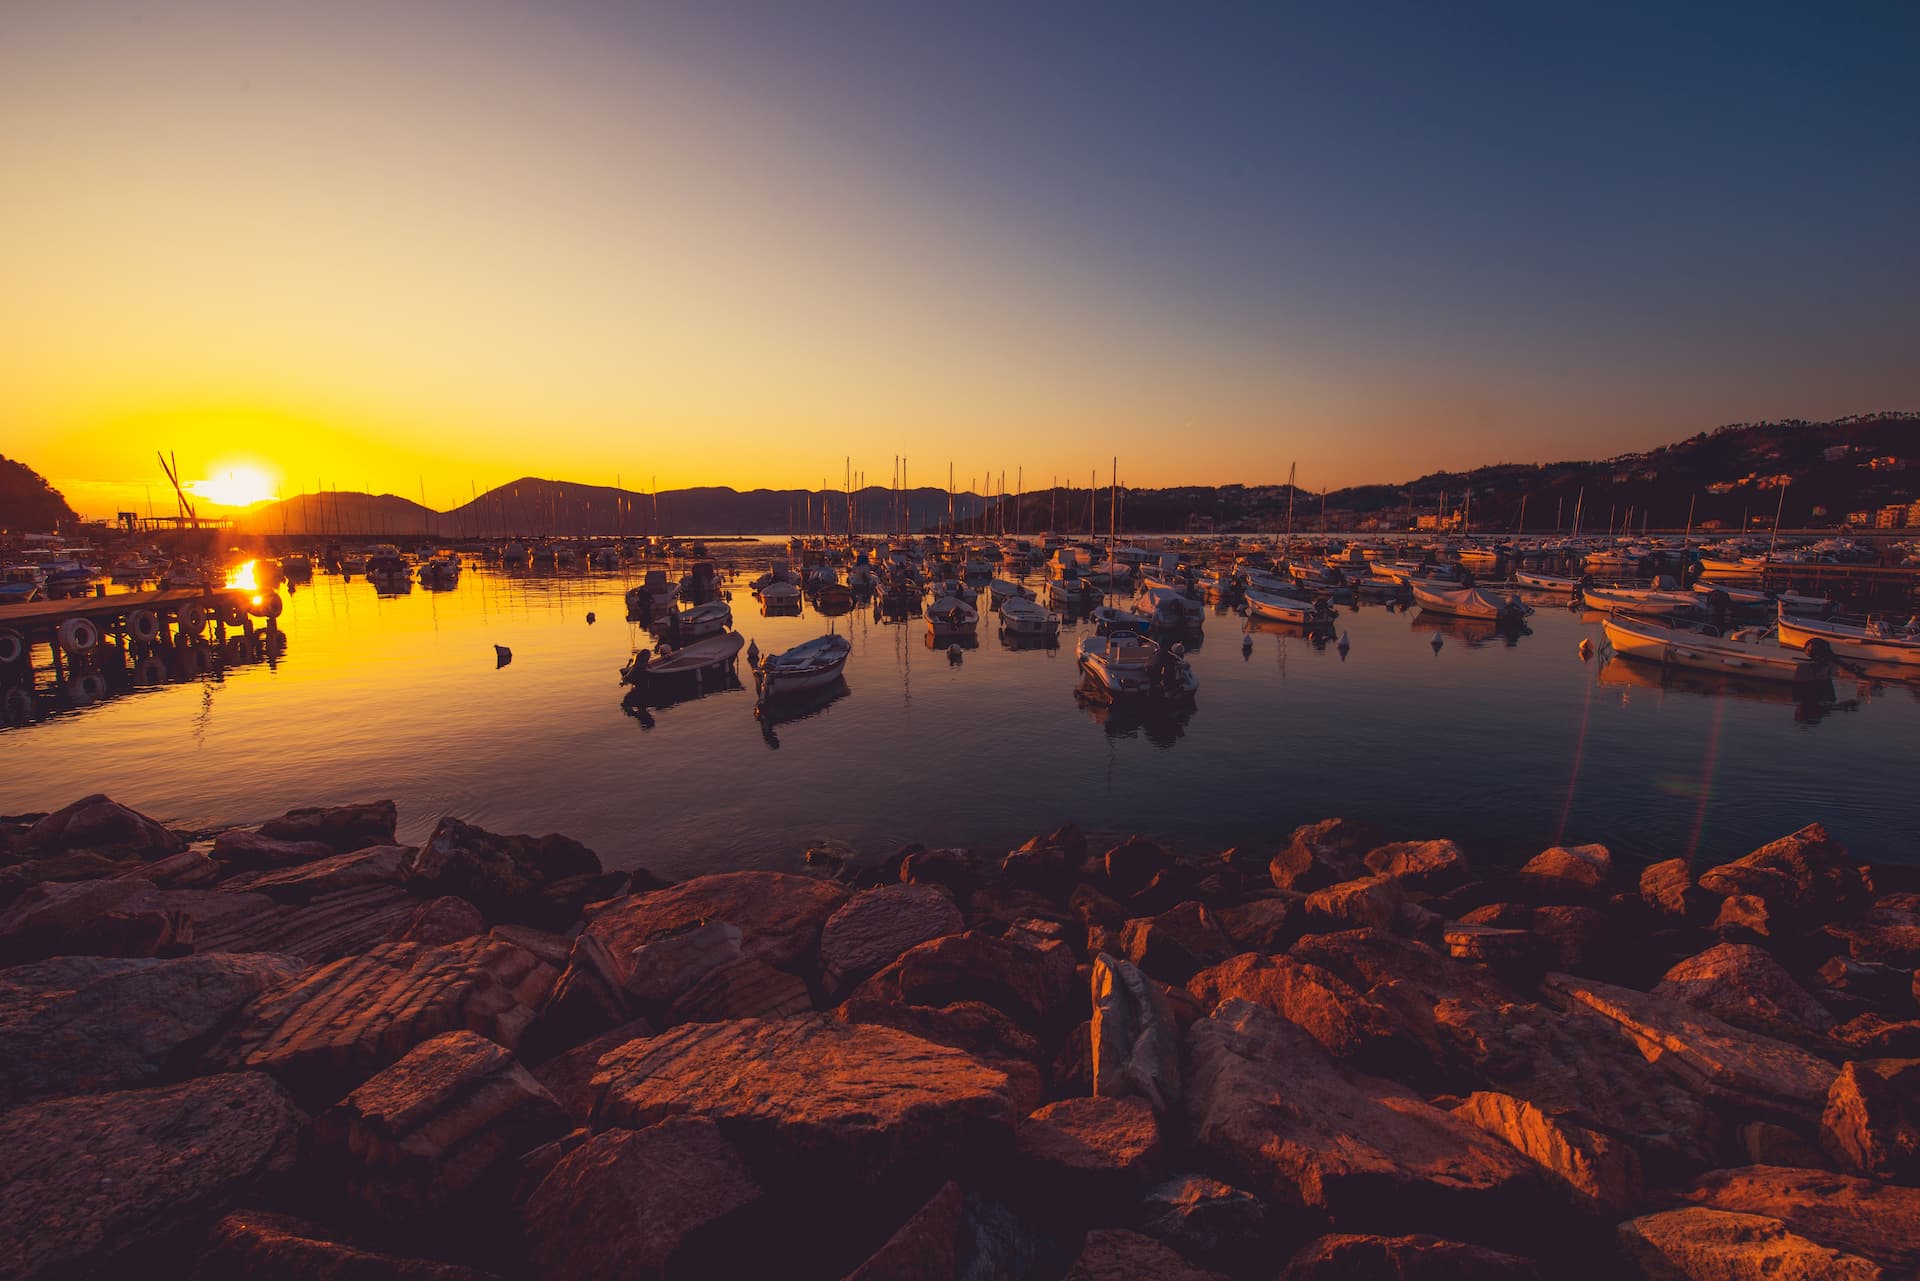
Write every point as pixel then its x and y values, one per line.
pixel 1727 476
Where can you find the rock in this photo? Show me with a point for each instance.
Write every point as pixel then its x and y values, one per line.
pixel 1871 1125
pixel 1746 987
pixel 328 1031
pixel 1511 951
pixel 1764 1143
pixel 327 928
pixel 872 929
pixel 1877 1221
pixel 1745 916
pixel 1268 1104
pixel 88 1024
pixel 1136 1045
pixel 1132 864
pixel 55 919
pixel 374 865
pixel 632 1205
pixel 103 826
pixel 1322 854
pixel 586 1000
pixel 1033 985
pixel 1726 1062
pixel 447 919
pixel 1353 1257
pixel 242 849
pixel 1349 1026
pixel 1115 1254
pixel 453 1113
pixel 953 870
pixel 779 916
pixel 506 876
pixel 744 989
pixel 1884 985
pixel 568 1077
pixel 662 968
pixel 1206 1219
pixel 1869 1036
pixel 849 1101
pixel 1668 889
pixel 972 1026
pixel 1807 877
pixel 1090 1155
pixel 187 870
pixel 249 1244
pixel 342 828
pixel 1697 1244
pixel 1371 902
pixel 1430 866
pixel 96 1183
pixel 927 1246
pixel 1602 1173
pixel 1569 874
pixel 1172 945
pixel 1580 940
pixel 1888 933
pixel 1263 924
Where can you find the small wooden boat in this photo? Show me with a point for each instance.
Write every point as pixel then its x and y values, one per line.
pixel 951 616
pixel 1866 641
pixel 1639 600
pixel 1547 582
pixel 701 620
pixel 1000 591
pixel 1022 617
pixel 713 653
pixel 1107 618
pixel 1170 608
pixel 1467 602
pixel 817 663
pixel 1701 647
pixel 1286 609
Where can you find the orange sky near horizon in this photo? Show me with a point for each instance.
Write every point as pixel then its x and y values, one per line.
pixel 426 249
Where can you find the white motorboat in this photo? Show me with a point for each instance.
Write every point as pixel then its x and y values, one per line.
pixel 1022 617
pixel 951 616
pixel 1811 606
pixel 1737 597
pixel 1869 641
pixel 1259 580
pixel 709 619
pixel 1170 608
pixel 653 595
pixel 818 662
pixel 1109 619
pixel 1700 647
pixel 1000 591
pixel 1127 663
pixel 1546 582
pixel 780 596
pixel 1286 609
pixel 1640 600
pixel 441 571
pixel 709 654
pixel 1070 592
pixel 1467 602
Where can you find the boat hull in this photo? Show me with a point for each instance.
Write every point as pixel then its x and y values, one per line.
pixel 1669 647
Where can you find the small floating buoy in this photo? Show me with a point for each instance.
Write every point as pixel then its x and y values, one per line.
pixel 953 652
pixel 1345 644
pixel 589 618
pixel 1246 642
pixel 1586 647
pixel 502 656
pixel 753 653
pixel 1437 642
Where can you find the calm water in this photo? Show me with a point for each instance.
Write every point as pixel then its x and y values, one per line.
pixel 1505 747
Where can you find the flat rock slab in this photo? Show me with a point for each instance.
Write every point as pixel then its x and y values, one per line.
pixel 90 1181
pixel 249 1245
pixel 872 929
pixel 1880 1221
pixel 926 1245
pixel 1032 983
pixel 1267 1103
pixel 375 865
pixel 336 1026
pixel 341 827
pixel 84 1024
pixel 1698 1244
pixel 623 1205
pixel 1349 1256
pixel 1743 985
pixel 1742 1066
pixel 848 1100
pixel 779 916
pixel 1091 1150
pixel 1115 1254
pixel 99 824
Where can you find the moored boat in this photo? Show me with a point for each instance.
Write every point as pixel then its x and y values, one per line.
pixel 1125 663
pixel 951 616
pixel 1022 617
pixel 817 663
pixel 1467 602
pixel 1286 609
pixel 1866 641
pixel 709 654
pixel 1701 647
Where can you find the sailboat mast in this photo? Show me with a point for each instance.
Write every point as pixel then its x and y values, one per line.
pixel 1779 510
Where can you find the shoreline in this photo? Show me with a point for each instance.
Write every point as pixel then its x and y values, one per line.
pixel 301 1048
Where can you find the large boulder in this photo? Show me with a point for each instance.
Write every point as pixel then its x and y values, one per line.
pixel 1698 1244
pixel 88 918
pixel 870 930
pixel 779 916
pixel 1116 1254
pixel 372 865
pixel 1091 1155
pixel 101 1182
pixel 1351 1026
pixel 845 1101
pixel 328 1031
pixel 1348 1256
pixel 1033 983
pixel 86 1024
pixel 343 828
pixel 1668 889
pixel 1746 987
pixel 1368 902
pixel 1322 854
pixel 1431 866
pixel 927 1245
pixel 1725 1062
pixel 249 1244
pixel 1172 945
pixel 1205 1219
pixel 1568 873
pixel 508 876
pixel 453 1114
pixel 1871 1124
pixel 1268 1104
pixel 1132 865
pixel 744 989
pixel 1135 1041
pixel 244 849
pixel 1600 1172
pixel 1880 1221
pixel 103 826
pixel 1806 878
pixel 634 1205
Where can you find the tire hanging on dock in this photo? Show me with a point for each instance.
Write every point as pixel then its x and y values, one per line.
pixel 89 687
pixel 143 624
pixel 78 635
pixel 192 618
pixel 13 647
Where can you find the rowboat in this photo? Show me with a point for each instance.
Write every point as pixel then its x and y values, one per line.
pixel 1021 617
pixel 1170 608
pixel 1643 600
pixel 810 666
pixel 710 654
pixel 1702 648
pixel 1870 641
pixel 1110 619
pixel 951 616
pixel 1001 591
pixel 1467 602
pixel 702 620
pixel 1286 609
pixel 1546 582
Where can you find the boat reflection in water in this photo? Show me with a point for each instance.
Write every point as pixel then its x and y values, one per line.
pixel 801 706
pixel 640 702
pixel 1161 721
pixel 1472 632
pixel 1810 702
pixel 109 674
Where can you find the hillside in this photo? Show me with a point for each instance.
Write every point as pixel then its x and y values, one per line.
pixel 28 504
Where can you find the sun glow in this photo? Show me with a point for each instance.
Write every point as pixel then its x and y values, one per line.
pixel 236 487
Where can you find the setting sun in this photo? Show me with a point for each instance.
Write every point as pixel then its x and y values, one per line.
pixel 236 487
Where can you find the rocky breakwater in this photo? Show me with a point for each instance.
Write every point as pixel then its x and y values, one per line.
pixel 309 1052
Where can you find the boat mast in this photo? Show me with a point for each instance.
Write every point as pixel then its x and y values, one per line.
pixel 1778 511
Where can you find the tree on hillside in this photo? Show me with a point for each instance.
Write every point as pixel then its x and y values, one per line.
pixel 28 504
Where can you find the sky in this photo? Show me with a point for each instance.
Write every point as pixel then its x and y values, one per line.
pixel 424 248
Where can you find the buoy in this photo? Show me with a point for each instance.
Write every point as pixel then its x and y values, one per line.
pixel 142 624
pixel 1437 642
pixel 502 656
pixel 1246 642
pixel 1346 643
pixel 753 653
pixel 78 635
pixel 1586 647
pixel 13 647
pixel 953 652
pixel 589 618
